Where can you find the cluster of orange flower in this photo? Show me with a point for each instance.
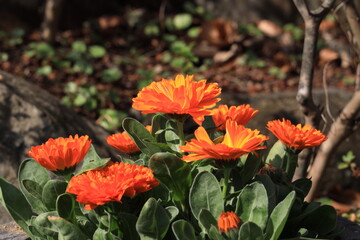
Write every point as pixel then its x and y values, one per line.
pixel 178 98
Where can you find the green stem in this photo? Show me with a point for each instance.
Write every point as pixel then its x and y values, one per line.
pixel 180 127
pixel 226 182
pixel 291 164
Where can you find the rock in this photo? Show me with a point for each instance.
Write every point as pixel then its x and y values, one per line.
pixel 351 229
pixel 29 116
pixel 11 231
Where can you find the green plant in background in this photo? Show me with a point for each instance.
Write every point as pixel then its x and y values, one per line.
pixel 40 50
pixel 4 57
pixel 250 59
pixel 146 77
pixel 275 71
pixel 295 31
pixel 111 75
pixel 111 119
pixel 13 38
pixel 347 161
pixel 85 96
pixel 250 29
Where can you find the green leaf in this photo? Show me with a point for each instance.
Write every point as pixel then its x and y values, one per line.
pixel 153 221
pixel 205 193
pixel 250 231
pixel 322 220
pixel 171 138
pixel 303 186
pixel 97 51
pixel 43 225
pixel 111 119
pixel 172 172
pixel 182 21
pixel 82 66
pixel 172 212
pixel 33 171
pixel 92 160
pixel 308 209
pixel 44 70
pixel 158 123
pixel 80 100
pixel 206 220
pixel 276 156
pixel 140 136
pixel 79 46
pixel 128 226
pixel 88 227
pixel 194 32
pixel 111 75
pixel 348 157
pixel 252 204
pixel 251 167
pixel 33 188
pixel 270 190
pixel 16 205
pixel 66 230
pixel 279 217
pixel 67 208
pixel 214 234
pixel 51 191
pixel 101 234
pixel 282 157
pixel 183 230
pixel 151 30
pixel 160 192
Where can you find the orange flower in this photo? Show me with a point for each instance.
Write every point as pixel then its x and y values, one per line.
pixel 60 153
pixel 123 142
pixel 236 142
pixel 240 114
pixel 181 96
pixel 111 183
pixel 296 137
pixel 228 221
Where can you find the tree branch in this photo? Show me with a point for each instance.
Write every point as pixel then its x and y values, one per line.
pixel 51 19
pixel 312 113
pixel 349 20
pixel 340 129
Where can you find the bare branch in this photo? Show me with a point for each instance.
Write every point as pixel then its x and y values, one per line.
pixel 357 81
pixel 327 105
pixel 304 97
pixel 349 20
pixel 302 8
pixel 322 10
pixel 51 19
pixel 340 129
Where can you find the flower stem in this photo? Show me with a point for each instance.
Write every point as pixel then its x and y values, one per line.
pixel 226 182
pixel 291 164
pixel 180 127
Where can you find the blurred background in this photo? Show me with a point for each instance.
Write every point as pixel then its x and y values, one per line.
pixel 94 57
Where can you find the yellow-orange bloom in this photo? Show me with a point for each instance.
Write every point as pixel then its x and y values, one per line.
pixel 111 183
pixel 228 221
pixel 123 142
pixel 236 142
pixel 240 114
pixel 60 153
pixel 296 137
pixel 181 96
